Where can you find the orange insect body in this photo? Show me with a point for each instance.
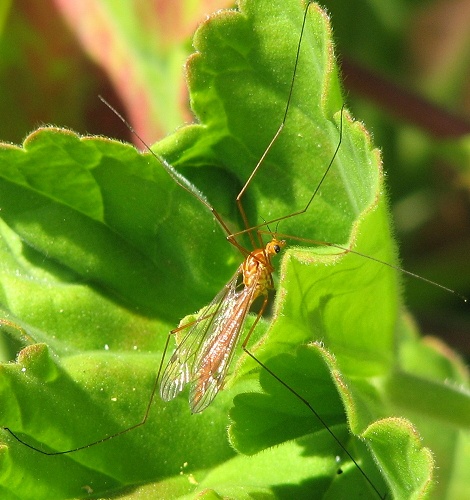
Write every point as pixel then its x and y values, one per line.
pixel 257 269
pixel 203 356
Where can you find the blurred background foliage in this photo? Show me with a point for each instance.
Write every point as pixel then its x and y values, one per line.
pixel 405 65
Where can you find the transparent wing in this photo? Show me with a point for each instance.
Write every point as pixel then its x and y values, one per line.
pixel 182 368
pixel 215 355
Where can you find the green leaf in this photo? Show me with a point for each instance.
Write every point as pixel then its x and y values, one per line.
pixel 102 253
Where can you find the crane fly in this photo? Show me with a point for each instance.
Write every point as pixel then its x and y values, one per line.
pixel 203 356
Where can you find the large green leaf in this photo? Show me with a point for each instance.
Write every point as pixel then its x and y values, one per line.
pixel 102 253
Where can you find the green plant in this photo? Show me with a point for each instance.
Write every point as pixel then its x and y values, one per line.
pixel 102 254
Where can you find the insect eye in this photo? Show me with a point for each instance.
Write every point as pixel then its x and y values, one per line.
pixel 277 248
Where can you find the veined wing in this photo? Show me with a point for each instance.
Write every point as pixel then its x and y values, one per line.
pixel 182 368
pixel 215 354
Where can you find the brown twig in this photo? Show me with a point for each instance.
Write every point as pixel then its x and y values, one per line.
pixel 402 103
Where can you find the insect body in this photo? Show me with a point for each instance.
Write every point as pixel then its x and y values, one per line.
pixel 203 356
